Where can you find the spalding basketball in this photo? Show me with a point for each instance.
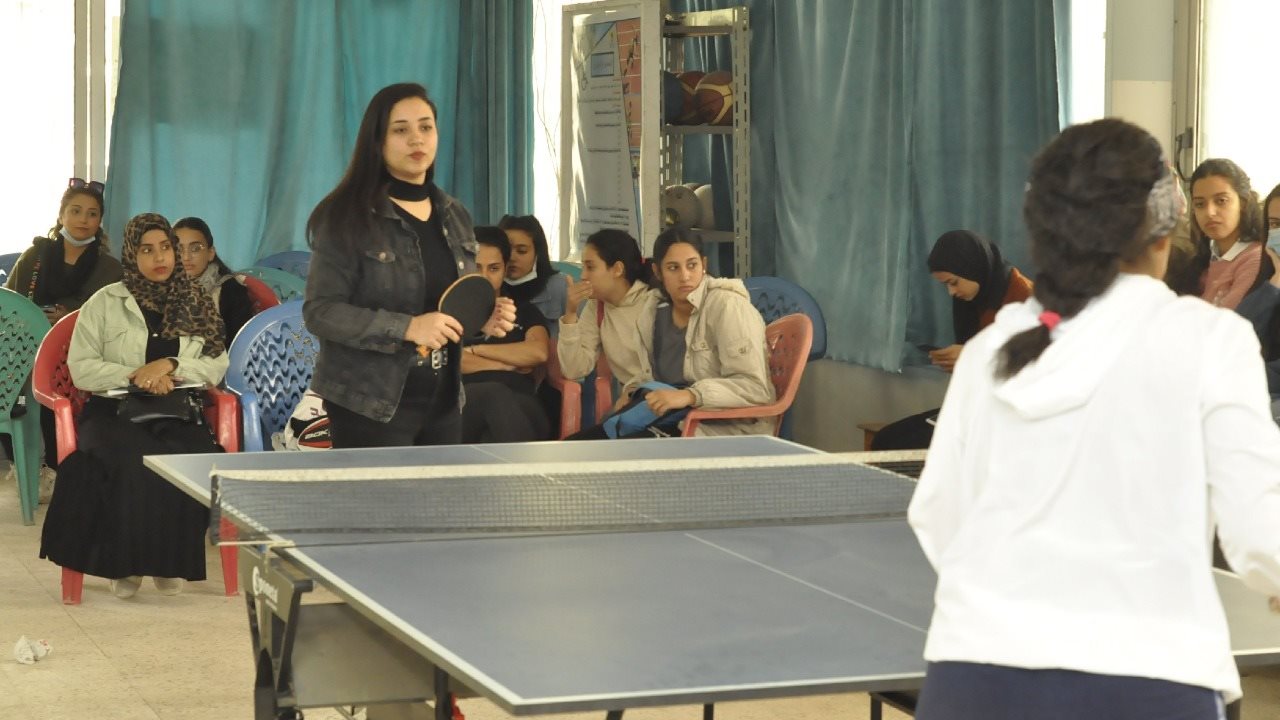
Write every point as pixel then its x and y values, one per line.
pixel 688 84
pixel 713 98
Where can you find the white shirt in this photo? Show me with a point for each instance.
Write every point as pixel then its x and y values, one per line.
pixel 1069 511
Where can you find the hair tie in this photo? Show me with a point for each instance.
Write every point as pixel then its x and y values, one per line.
pixel 1050 319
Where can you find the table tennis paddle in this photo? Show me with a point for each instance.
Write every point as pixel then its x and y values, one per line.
pixel 469 300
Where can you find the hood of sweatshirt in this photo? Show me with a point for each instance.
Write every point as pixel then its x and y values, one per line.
pixel 1083 348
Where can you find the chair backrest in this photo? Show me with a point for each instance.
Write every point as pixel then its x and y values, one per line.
pixel 273 357
pixel 7 262
pixel 51 378
pixel 22 327
pixel 573 270
pixel 789 339
pixel 260 294
pixel 294 262
pixel 286 286
pixel 775 298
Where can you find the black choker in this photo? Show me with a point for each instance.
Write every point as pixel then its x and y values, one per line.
pixel 401 190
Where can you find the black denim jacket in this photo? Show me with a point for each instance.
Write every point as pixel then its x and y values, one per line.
pixel 359 304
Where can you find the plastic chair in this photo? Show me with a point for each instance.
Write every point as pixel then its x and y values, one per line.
pixel 272 359
pixel 260 294
pixel 294 262
pixel 54 389
pixel 22 327
pixel 285 286
pixel 790 339
pixel 571 406
pixel 573 270
pixel 776 298
pixel 7 262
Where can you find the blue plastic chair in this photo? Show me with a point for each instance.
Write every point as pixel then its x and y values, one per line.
pixel 272 360
pixel 573 270
pixel 6 265
pixel 776 298
pixel 22 328
pixel 285 285
pixel 294 262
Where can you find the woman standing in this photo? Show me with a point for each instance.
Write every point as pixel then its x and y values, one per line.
pixel 201 261
pixel 110 516
pixel 386 243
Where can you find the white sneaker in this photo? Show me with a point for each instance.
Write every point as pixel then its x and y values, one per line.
pixel 168 586
pixel 126 587
pixel 47 476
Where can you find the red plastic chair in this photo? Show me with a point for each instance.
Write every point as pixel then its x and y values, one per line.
pixel 53 388
pixel 789 339
pixel 260 294
pixel 571 392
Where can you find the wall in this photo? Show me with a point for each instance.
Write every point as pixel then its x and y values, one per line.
pixel 1140 65
pixel 835 396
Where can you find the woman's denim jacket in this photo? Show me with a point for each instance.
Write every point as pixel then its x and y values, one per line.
pixel 360 299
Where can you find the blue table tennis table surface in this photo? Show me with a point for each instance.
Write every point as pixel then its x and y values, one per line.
pixel 573 622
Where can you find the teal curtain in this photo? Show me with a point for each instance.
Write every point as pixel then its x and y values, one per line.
pixel 245 112
pixel 877 125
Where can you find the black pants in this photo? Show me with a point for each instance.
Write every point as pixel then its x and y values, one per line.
pixel 496 412
pixel 972 691
pixel 413 424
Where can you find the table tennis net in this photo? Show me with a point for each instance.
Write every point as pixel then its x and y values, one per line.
pixel 386 504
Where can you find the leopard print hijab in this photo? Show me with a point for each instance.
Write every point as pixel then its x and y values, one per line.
pixel 185 308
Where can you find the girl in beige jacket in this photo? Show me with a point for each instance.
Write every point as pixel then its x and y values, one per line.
pixel 698 333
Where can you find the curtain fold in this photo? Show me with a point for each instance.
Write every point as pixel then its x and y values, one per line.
pixel 877 125
pixel 245 113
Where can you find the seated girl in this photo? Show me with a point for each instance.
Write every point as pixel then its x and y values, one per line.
pixel 201 261
pixel 703 340
pixel 497 372
pixel 110 516
pixel 530 275
pixel 1226 216
pixel 979 282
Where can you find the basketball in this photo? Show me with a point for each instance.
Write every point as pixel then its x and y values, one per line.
pixel 706 207
pixel 673 98
pixel 688 84
pixel 680 207
pixel 713 98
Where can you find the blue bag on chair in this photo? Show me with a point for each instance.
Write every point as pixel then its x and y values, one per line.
pixel 636 415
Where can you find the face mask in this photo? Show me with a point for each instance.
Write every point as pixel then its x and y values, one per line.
pixel 1273 239
pixel 74 242
pixel 533 275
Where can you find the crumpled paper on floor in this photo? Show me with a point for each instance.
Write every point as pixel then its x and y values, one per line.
pixel 28 652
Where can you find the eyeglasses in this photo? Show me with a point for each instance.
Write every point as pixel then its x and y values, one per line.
pixel 78 183
pixel 192 249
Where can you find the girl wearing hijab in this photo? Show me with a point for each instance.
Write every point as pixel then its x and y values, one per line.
pixel 979 282
pixel 110 516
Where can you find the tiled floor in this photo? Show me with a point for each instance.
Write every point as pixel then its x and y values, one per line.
pixel 188 657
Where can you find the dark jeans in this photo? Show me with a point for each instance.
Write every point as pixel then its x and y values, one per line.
pixel 972 691
pixel 413 424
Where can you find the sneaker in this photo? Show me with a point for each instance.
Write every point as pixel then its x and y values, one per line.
pixel 47 476
pixel 126 587
pixel 168 586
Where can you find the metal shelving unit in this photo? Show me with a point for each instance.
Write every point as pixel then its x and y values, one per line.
pixel 731 24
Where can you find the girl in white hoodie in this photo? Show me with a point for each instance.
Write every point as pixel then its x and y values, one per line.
pixel 1090 442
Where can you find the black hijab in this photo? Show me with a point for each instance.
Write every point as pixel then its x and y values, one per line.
pixel 972 257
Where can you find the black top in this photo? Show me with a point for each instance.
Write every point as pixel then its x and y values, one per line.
pixel 668 348
pixel 437 258
pixel 158 347
pixel 235 306
pixel 527 316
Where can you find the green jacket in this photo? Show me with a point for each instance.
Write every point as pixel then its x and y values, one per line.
pixel 110 342
pixel 105 272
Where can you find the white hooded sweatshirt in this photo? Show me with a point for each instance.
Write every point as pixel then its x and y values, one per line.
pixel 1070 510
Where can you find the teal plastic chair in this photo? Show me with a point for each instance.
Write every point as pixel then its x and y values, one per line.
pixel 22 327
pixel 573 270
pixel 286 286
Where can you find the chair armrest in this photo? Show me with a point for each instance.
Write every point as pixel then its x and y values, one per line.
pixel 696 416
pixel 225 420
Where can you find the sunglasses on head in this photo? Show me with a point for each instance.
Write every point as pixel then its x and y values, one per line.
pixel 78 183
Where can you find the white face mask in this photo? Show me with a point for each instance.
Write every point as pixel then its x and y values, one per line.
pixel 74 242
pixel 1273 239
pixel 533 275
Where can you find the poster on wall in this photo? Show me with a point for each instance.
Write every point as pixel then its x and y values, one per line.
pixel 605 71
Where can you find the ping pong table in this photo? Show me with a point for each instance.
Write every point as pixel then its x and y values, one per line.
pixel 595 621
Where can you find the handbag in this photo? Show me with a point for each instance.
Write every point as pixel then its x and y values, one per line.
pixel 636 415
pixel 143 407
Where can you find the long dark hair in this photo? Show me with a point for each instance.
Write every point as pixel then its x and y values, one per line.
pixel 202 227
pixel 615 246
pixel 1086 210
pixel 345 210
pixel 1252 226
pixel 529 225
pixel 69 195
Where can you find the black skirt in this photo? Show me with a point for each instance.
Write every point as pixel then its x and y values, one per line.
pixel 112 517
